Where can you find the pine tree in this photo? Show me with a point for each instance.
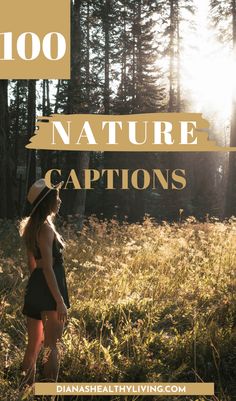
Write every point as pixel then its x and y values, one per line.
pixel 137 93
pixel 31 160
pixel 4 132
pixel 74 203
pixel 18 120
pixel 226 10
pixel 17 95
pixel 46 157
pixel 7 166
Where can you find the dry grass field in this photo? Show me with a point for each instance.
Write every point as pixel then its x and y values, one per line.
pixel 149 303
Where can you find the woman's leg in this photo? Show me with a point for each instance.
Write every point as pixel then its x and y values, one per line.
pixel 53 330
pixel 35 339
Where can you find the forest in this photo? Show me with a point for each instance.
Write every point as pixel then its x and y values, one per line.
pixel 131 57
pixel 151 273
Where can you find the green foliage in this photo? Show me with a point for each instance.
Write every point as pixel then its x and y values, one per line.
pixel 148 303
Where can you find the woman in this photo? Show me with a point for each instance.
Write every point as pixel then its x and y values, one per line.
pixel 46 297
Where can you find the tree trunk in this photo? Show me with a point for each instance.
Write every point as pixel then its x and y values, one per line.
pixel 3 147
pixel 107 58
pixel 8 182
pixel 44 153
pixel 230 208
pixel 88 55
pixel 139 59
pixel 124 64
pixel 171 66
pixel 48 155
pixel 48 105
pixel 74 200
pixel 16 126
pixel 58 158
pixel 178 100
pixel 134 84
pixel 31 160
pixel 57 96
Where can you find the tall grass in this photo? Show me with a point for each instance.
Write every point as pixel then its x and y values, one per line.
pixel 149 303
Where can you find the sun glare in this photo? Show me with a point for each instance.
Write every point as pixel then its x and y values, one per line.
pixel 208 69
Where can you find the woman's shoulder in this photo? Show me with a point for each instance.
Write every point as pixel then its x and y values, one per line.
pixel 59 240
pixel 45 232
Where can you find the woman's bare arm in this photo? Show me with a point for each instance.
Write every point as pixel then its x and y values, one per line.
pixel 31 261
pixel 45 241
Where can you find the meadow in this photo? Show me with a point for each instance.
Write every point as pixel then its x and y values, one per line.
pixel 149 303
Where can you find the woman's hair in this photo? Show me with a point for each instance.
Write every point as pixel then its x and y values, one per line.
pixel 29 227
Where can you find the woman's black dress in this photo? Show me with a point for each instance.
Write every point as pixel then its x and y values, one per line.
pixel 38 296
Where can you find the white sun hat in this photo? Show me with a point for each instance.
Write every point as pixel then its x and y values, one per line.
pixel 37 192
